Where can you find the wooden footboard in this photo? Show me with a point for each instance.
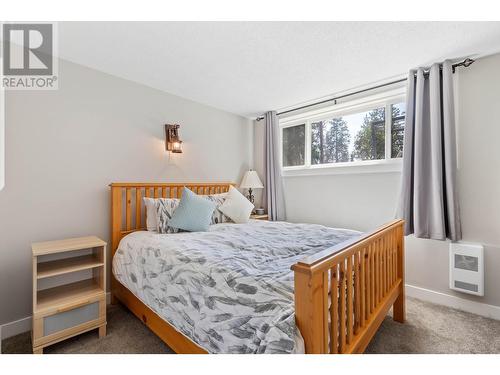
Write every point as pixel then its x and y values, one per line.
pixel 343 294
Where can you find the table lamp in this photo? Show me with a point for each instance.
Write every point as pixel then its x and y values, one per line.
pixel 251 181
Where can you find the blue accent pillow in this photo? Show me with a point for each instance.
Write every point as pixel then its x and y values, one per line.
pixel 193 214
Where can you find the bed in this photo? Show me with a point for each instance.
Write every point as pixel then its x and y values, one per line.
pixel 261 287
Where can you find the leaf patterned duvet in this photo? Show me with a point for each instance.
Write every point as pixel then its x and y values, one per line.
pixel 230 289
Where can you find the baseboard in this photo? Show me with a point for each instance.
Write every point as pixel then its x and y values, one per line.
pixel 24 325
pixel 478 308
pixel 16 327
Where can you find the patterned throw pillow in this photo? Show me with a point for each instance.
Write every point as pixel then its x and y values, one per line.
pixel 165 208
pixel 218 217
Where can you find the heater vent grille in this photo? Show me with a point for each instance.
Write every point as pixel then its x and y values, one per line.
pixel 466 286
pixel 467 268
pixel 465 262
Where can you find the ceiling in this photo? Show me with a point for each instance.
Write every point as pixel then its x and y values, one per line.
pixel 248 68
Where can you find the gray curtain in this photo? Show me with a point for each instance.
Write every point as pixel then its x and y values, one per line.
pixel 274 182
pixel 429 197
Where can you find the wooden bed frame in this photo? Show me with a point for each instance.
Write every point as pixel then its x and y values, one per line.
pixel 342 294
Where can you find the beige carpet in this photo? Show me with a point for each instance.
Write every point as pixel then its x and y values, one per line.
pixel 430 329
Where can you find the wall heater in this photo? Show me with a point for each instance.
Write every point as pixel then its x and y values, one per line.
pixel 467 268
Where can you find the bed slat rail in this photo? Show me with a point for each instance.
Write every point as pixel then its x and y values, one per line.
pixel 343 294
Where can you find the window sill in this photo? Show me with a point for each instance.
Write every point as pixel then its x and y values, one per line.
pixel 373 166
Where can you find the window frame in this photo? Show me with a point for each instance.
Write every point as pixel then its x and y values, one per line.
pixel 385 99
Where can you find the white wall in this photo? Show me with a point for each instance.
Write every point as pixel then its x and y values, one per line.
pixel 365 201
pixel 64 147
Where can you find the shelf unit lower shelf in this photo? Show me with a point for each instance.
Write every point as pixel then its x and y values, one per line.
pixel 65 296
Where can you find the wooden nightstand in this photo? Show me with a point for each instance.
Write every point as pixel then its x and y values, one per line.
pixel 66 310
pixel 259 217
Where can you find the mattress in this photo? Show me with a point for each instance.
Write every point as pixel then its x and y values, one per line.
pixel 230 289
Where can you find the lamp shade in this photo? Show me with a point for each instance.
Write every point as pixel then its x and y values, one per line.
pixel 251 180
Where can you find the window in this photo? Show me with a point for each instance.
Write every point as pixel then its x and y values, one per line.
pixel 365 132
pixel 294 145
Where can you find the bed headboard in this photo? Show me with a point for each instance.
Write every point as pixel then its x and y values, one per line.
pixel 127 208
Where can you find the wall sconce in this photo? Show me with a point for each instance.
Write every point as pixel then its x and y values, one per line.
pixel 172 141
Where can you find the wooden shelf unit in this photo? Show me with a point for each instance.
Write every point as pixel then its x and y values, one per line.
pixel 68 309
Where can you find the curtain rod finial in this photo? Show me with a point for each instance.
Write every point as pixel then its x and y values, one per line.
pixel 467 62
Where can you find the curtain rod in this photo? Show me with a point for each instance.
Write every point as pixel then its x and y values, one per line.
pixel 467 62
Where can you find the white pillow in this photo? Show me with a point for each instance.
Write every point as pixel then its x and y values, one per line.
pixel 151 216
pixel 236 206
